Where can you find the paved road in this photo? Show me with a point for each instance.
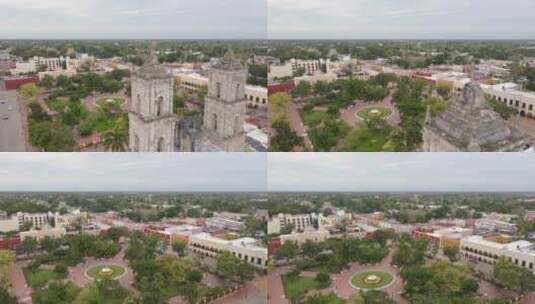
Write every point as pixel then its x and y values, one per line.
pixel 12 137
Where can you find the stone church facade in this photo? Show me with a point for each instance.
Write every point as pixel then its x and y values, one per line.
pixel 151 117
pixel 225 105
pixel 154 127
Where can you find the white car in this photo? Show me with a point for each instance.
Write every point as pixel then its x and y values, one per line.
pixel 10 108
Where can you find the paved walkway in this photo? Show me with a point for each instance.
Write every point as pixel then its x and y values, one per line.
pixel 23 292
pixel 253 292
pixel 349 114
pixel 275 293
pixel 297 125
pixel 77 273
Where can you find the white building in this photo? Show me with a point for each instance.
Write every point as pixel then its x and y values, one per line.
pixel 476 249
pixel 246 249
pixel 300 222
pixel 9 223
pixel 256 96
pixel 277 71
pixel 301 237
pixel 511 95
pixel 54 233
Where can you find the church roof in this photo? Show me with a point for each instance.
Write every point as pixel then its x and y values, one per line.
pixel 472 125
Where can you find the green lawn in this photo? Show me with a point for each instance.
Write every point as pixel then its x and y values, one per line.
pixel 40 278
pixel 294 288
pixel 363 140
pixel 359 279
pixel 313 118
pixel 94 271
pixel 58 104
pixel 366 113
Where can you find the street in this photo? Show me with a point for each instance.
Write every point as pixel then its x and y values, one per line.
pixel 12 138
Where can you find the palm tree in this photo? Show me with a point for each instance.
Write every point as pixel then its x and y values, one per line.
pixel 115 140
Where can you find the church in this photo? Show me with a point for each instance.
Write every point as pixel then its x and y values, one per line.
pixel 154 127
pixel 469 124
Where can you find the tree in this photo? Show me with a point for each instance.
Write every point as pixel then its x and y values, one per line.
pixel 234 269
pixel 51 136
pixel 179 247
pixel 288 250
pixel 451 252
pixel 513 277
pixel 47 82
pixel 303 89
pixel 28 91
pixel 323 278
pixel 278 106
pixel 285 139
pixel 29 245
pixel 7 258
pixel 116 139
pixel 5 297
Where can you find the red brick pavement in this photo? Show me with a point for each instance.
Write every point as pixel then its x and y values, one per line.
pixel 22 291
pixel 276 289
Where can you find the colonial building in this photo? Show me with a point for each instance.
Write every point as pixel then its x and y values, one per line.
pixel 246 249
pixel 469 124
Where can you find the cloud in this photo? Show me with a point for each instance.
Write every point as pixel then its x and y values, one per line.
pixel 400 172
pixel 219 19
pixel 133 172
pixel 395 19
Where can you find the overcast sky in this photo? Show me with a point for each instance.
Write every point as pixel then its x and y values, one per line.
pixel 132 172
pixel 401 172
pixel 400 19
pixel 206 19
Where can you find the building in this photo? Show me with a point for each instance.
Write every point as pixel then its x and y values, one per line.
pixel 300 222
pixel 246 249
pixel 225 105
pixel 278 71
pixel 192 82
pixel 173 233
pixel 8 223
pixel 15 82
pixel 10 243
pixel 488 225
pixel 316 77
pixel 469 124
pixel 221 222
pixel 301 237
pixel 281 87
pixel 152 122
pixel 41 234
pixel 38 220
pixel 511 95
pixel 476 249
pixel 307 66
pixel 446 237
